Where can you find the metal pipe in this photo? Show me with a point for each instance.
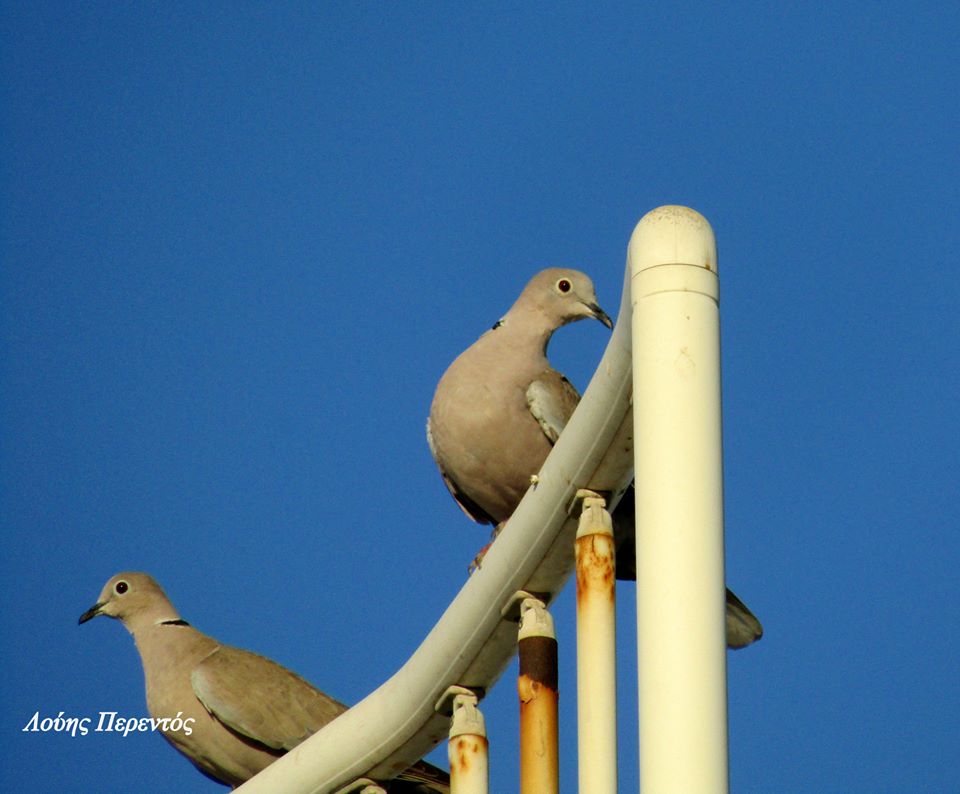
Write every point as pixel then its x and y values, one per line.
pixel 679 504
pixel 362 786
pixel 468 750
pixel 596 648
pixel 538 691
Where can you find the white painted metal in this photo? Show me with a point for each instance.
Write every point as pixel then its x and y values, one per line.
pixel 468 748
pixel 596 650
pixel 535 620
pixel 473 641
pixel 362 786
pixel 680 582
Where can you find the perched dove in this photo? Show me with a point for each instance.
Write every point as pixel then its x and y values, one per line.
pixel 234 712
pixel 500 407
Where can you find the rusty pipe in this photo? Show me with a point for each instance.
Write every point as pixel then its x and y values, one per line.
pixel 596 648
pixel 538 691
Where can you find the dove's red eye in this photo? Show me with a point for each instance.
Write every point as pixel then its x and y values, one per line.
pixel 121 587
pixel 563 285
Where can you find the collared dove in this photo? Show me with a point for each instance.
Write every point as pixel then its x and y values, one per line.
pixel 236 712
pixel 500 407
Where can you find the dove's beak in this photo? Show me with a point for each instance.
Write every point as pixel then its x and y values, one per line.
pixel 600 314
pixel 90 613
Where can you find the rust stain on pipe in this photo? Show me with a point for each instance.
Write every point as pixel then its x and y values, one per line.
pixel 538 660
pixel 464 751
pixel 539 737
pixel 538 720
pixel 596 568
pixel 539 698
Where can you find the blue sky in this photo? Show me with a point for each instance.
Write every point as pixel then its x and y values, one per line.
pixel 240 243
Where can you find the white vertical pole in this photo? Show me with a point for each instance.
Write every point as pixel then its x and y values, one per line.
pixel 596 649
pixel 467 749
pixel 679 496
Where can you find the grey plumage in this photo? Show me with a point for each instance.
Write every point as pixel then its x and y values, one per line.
pixel 500 406
pixel 245 710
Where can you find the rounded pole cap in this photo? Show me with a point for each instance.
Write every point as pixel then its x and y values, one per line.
pixel 671 235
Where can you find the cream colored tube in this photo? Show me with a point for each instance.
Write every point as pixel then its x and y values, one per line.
pixel 468 750
pixel 596 650
pixel 679 481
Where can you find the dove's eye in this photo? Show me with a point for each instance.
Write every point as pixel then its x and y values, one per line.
pixel 121 587
pixel 563 285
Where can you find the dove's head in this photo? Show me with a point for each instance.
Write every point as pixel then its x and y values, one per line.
pixel 133 598
pixel 563 296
